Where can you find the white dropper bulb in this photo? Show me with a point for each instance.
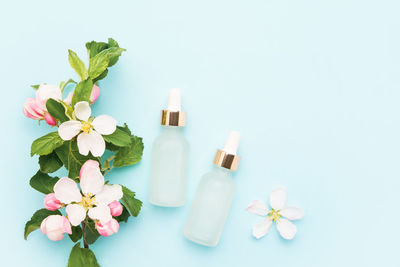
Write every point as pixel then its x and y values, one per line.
pixel 232 143
pixel 174 99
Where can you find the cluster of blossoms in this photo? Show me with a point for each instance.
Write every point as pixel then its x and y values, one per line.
pixel 35 108
pixel 99 201
pixel 82 203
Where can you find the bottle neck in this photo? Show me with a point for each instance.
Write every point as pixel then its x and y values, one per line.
pixel 222 170
pixel 172 129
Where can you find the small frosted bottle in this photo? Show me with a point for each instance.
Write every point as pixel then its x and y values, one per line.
pixel 213 197
pixel 170 157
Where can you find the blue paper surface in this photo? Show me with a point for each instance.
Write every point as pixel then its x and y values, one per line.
pixel 313 86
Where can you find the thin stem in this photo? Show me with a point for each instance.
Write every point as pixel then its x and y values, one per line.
pixel 83 235
pixel 109 169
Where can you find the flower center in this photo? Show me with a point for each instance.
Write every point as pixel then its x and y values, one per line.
pixel 274 214
pixel 86 127
pixel 88 201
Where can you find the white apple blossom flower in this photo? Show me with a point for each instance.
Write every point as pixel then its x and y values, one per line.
pixel 279 211
pixel 88 131
pixel 95 199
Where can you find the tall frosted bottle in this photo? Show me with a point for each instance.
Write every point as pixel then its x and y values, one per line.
pixel 214 196
pixel 170 157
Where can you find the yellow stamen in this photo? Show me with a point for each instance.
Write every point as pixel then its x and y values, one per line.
pixel 274 214
pixel 86 127
pixel 88 201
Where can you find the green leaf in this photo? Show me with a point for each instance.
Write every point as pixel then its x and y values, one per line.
pixel 130 202
pixel 35 86
pixel 99 63
pixel 78 65
pixel 46 144
pixel 71 158
pixel 101 76
pixel 37 219
pixel 49 163
pixel 82 91
pixel 56 110
pixel 94 47
pixel 118 138
pixel 43 183
pixel 76 233
pixel 91 234
pixel 114 58
pixel 82 257
pixel 130 155
pixel 124 215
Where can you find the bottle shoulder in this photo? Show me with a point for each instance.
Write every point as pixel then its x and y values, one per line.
pixel 173 138
pixel 218 178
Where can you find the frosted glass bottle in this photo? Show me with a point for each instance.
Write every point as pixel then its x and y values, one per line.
pixel 170 156
pixel 213 197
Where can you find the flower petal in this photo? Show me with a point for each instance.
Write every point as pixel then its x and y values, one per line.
pixel 67 191
pixel 67 226
pixel 101 213
pixel 104 124
pixel 92 142
pixel 257 207
pixel 109 194
pixel 46 91
pixel 92 181
pixel 43 226
pixel 261 229
pixel 76 214
pixel 32 110
pixel 69 129
pixel 286 228
pixel 292 213
pixel 82 110
pixel 89 164
pixel 277 199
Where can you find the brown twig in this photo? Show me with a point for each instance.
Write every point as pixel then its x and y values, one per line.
pixel 85 244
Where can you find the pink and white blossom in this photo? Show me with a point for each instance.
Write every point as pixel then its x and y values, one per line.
pixel 279 213
pixel 51 202
pixel 35 108
pixel 111 227
pixel 89 132
pixel 45 92
pixel 54 226
pixel 95 199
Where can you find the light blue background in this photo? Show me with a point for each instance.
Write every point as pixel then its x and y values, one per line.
pixel 313 86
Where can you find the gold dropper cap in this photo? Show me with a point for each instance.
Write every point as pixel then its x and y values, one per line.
pixel 225 160
pixel 227 157
pixel 173 116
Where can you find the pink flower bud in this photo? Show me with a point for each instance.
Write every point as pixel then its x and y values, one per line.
pixel 109 228
pixel 32 110
pixel 95 94
pixel 51 202
pixel 49 119
pixel 54 226
pixel 88 165
pixel 115 208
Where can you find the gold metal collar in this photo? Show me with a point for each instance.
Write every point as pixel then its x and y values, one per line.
pixel 228 161
pixel 173 118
